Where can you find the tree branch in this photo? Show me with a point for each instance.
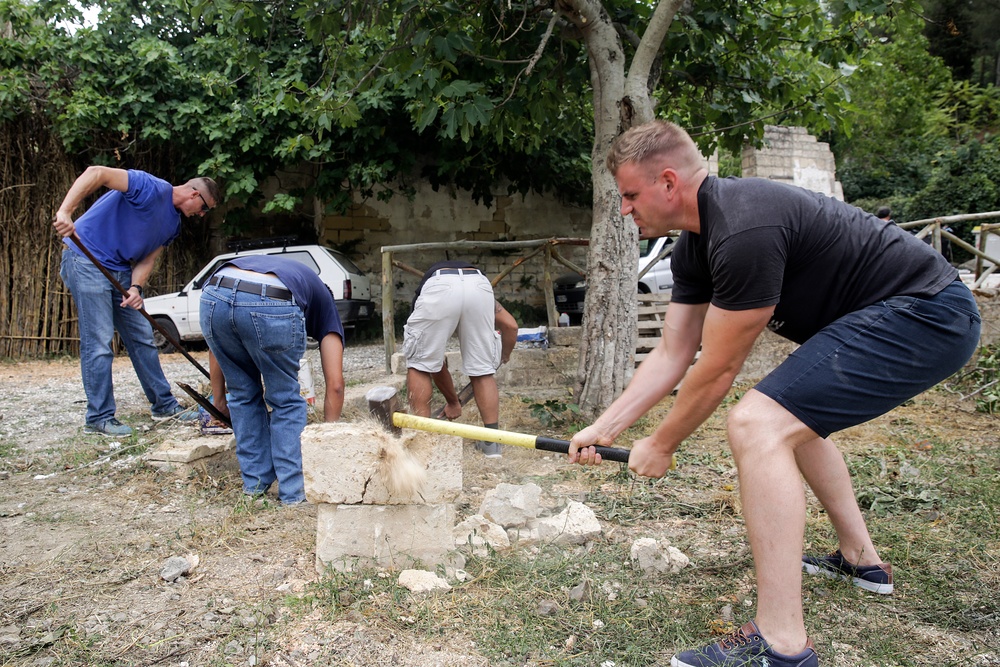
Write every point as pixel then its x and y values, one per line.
pixel 536 56
pixel 637 82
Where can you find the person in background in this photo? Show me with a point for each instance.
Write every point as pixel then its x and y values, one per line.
pixel 126 230
pixel 256 313
pixel 879 318
pixel 885 213
pixel 456 296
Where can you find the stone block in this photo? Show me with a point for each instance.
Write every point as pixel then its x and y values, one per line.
pixel 191 449
pixel 577 524
pixel 564 336
pixel 510 504
pixel 554 367
pixel 396 536
pixel 341 464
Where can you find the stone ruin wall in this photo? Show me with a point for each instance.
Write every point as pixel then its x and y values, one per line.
pixel 791 155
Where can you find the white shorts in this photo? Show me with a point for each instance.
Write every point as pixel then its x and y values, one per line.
pixel 450 303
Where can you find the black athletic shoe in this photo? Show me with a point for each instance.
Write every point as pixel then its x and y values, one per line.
pixel 744 648
pixel 873 578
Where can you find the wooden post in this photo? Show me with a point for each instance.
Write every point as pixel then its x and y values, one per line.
pixel 388 324
pixel 982 249
pixel 550 298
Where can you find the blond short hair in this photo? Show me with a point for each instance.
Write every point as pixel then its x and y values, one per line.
pixel 658 139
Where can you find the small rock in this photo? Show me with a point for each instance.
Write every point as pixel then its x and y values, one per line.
pixel 422 581
pixel 548 608
pixel 580 592
pixel 174 568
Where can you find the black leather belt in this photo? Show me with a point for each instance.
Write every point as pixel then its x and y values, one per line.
pixel 457 272
pixel 270 291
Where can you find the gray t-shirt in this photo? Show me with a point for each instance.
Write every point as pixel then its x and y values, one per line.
pixel 764 243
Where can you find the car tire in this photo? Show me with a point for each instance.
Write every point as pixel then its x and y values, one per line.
pixel 161 342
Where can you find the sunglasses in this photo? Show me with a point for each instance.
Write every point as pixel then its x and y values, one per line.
pixel 205 208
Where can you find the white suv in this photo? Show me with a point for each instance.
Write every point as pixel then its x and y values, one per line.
pixel 177 313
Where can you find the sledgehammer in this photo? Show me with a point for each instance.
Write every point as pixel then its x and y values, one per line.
pixel 403 420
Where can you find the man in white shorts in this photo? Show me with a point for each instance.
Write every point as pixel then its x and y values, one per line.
pixel 456 296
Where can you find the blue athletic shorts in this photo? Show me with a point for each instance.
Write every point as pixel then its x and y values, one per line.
pixel 872 360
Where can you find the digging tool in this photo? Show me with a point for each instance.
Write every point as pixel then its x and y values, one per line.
pixel 142 311
pixel 470 432
pixel 205 403
pixel 463 397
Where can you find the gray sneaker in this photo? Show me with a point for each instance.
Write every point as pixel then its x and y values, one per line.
pixel 180 413
pixel 490 450
pixel 111 428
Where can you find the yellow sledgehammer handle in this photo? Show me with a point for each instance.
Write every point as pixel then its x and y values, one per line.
pixel 403 420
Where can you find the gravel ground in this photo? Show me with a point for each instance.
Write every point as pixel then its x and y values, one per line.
pixel 40 399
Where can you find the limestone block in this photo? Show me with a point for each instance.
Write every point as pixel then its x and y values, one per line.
pixel 554 367
pixel 651 556
pixel 564 336
pixel 396 536
pixel 479 532
pixel 510 504
pixel 398 364
pixel 340 463
pixel 577 524
pixel 422 581
pixel 192 449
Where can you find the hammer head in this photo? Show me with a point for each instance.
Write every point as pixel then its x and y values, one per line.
pixel 382 402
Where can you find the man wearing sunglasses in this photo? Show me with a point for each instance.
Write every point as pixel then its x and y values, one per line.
pixel 126 229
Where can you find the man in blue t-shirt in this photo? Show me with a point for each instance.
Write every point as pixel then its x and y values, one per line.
pixel 879 316
pixel 256 312
pixel 126 230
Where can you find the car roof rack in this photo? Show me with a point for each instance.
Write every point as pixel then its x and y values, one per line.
pixel 255 244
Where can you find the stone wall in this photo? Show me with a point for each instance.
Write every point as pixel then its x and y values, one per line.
pixel 445 215
pixel 793 156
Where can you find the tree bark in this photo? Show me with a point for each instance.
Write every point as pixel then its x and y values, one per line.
pixel 607 346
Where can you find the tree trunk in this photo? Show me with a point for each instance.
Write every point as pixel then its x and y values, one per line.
pixel 607 347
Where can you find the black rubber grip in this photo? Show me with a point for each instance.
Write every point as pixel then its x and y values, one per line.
pixel 562 446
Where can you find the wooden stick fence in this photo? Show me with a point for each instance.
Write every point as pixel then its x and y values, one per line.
pixel 544 247
pixel 935 227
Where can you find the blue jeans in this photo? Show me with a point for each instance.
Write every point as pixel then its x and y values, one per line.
pixel 258 342
pixel 98 306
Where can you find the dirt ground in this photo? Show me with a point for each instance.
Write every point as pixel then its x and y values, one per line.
pixel 85 529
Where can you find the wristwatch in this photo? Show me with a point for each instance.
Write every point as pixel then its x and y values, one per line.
pixel 139 287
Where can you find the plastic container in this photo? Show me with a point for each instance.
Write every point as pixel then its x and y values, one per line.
pixel 306 381
pixel 564 319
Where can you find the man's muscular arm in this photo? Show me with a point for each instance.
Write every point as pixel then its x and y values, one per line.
pixel 87 183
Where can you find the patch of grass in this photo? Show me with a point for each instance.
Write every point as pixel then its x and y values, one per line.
pixel 981 382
